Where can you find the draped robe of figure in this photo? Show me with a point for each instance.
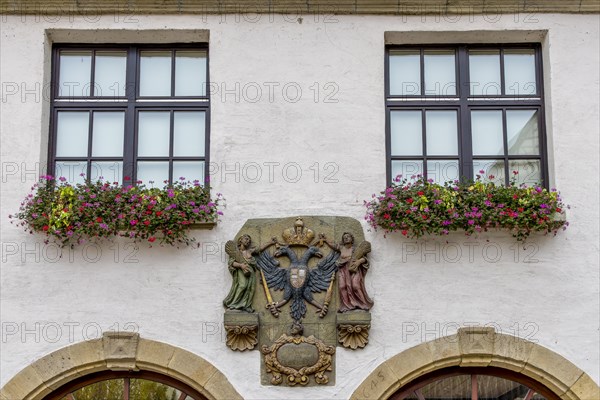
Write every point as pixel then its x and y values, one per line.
pixel 242 289
pixel 353 294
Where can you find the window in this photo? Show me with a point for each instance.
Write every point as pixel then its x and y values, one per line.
pixel 129 113
pixel 474 383
pixel 453 111
pixel 125 385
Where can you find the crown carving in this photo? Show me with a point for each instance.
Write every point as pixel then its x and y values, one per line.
pixel 299 234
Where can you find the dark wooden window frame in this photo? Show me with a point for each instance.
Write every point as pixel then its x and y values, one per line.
pixel 464 102
pixel 417 384
pixel 131 104
pixel 96 377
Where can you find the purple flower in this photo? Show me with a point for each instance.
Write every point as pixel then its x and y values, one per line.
pixel 446 223
pixel 470 222
pixel 62 179
pixel 543 205
pixel 170 193
pixel 438 201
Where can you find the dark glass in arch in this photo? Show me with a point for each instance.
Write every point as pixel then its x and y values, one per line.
pixel 125 385
pixel 485 383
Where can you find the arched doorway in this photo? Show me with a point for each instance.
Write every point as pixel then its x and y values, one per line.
pixel 121 357
pixel 493 354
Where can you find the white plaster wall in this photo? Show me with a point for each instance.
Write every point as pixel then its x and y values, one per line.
pixel 175 295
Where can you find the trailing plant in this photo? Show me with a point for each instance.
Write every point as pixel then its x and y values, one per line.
pixel 420 207
pixel 73 214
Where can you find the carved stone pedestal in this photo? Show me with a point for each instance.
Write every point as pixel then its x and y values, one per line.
pixel 353 329
pixel 242 330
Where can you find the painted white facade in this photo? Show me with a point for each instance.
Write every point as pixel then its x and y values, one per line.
pixel 547 292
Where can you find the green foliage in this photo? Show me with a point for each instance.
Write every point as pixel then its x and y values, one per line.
pixel 74 214
pixel 422 207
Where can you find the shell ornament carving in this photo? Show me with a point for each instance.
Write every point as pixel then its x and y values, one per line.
pixel 300 376
pixel 353 336
pixel 241 338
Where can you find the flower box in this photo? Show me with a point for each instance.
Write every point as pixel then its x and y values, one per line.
pixel 420 207
pixel 73 214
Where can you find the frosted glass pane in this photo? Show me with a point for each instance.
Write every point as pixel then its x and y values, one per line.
pixel 71 170
pixel 75 73
pixel 406 129
pixel 107 134
pixel 190 73
pixel 442 133
pixel 190 170
pixel 153 133
pixel 405 72
pixel 109 74
pixel 484 70
pixel 153 173
pixel 442 170
pixel 486 127
pixel 529 172
pixel 155 73
pixel 493 170
pixel 72 134
pixel 107 171
pixel 522 132
pixel 408 169
pixel 519 72
pixel 440 76
pixel 189 134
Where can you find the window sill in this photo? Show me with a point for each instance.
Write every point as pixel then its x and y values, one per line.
pixel 203 226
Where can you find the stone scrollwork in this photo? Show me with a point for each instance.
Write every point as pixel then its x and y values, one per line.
pixel 241 338
pixel 298 374
pixel 353 336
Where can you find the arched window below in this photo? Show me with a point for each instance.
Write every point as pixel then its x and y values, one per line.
pixel 125 385
pixel 485 383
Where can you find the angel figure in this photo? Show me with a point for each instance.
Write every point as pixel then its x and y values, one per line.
pixel 242 266
pixel 352 267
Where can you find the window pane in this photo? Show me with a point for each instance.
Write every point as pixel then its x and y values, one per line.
pixel 111 389
pixel 109 74
pixel 486 127
pixel 71 170
pixel 405 72
pixel 153 133
pixel 190 170
pixel 407 168
pixel 142 389
pixel 493 387
pixel 440 76
pixel 107 134
pixel 406 131
pixel 75 73
pixel 189 134
pixel 484 71
pixel 442 170
pixel 522 131
pixel 190 73
pixel 153 173
pixel 442 134
pixel 519 72
pixel 493 171
pixel 72 134
pixel 107 171
pixel 529 172
pixel 155 73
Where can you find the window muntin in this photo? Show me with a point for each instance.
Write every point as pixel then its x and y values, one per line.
pixel 135 111
pixel 496 99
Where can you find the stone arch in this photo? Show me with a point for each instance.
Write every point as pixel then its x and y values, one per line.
pixel 479 347
pixel 117 351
